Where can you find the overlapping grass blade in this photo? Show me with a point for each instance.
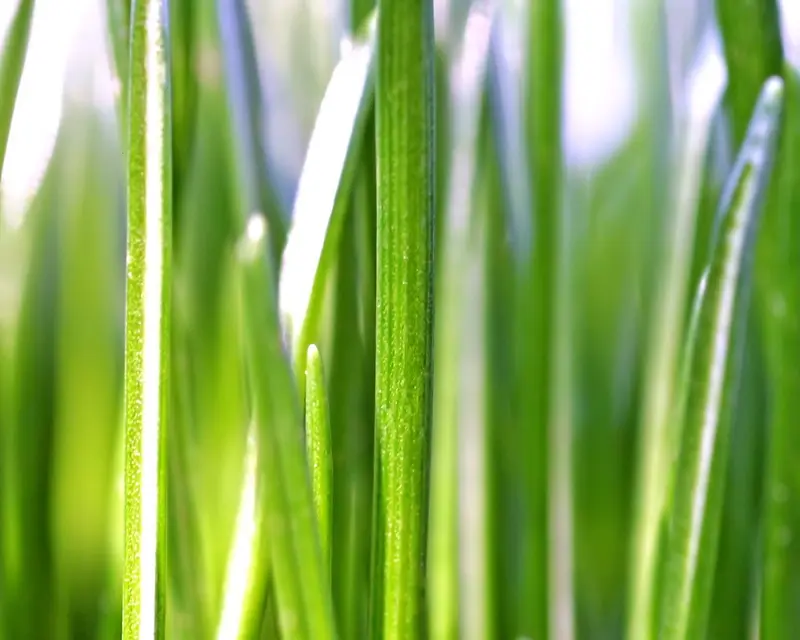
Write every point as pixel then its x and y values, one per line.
pixel 714 378
pixel 147 321
pixel 778 282
pixel 301 582
pixel 323 197
pixel 118 18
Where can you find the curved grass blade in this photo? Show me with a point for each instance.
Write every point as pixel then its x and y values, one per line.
pixel 751 37
pixel 778 281
pixel 305 609
pixel 12 59
pixel 714 377
pixel 147 321
pixel 256 191
pixel 323 197
pixel 405 133
pixel 318 448
pixel 451 342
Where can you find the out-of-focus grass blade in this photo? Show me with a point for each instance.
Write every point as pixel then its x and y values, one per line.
pixel 318 447
pixel 778 281
pixel 302 584
pixel 452 352
pixel 12 58
pixel 255 189
pixel 543 69
pixel 184 89
pixel 405 135
pixel 659 392
pixel 715 374
pixel 147 322
pixel 323 197
pixel 751 36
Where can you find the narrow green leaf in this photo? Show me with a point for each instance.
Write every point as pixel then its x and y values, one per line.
pixel 323 197
pixel 714 379
pixel 405 136
pixel 778 281
pixel 751 38
pixel 301 581
pixel 118 19
pixel 184 88
pixel 147 323
pixel 318 447
pixel 12 59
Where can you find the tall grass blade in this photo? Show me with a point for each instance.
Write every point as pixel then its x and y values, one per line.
pixel 714 383
pixel 778 281
pixel 147 322
pixel 302 584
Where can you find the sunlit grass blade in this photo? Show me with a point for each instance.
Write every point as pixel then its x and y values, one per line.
pixel 405 133
pixel 452 410
pixel 318 448
pixel 147 320
pixel 751 39
pixel 302 584
pixel 323 198
pixel 714 378
pixel 13 50
pixel 543 82
pixel 655 455
pixel 255 189
pixel 778 281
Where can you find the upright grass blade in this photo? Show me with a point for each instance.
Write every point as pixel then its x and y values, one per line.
pixel 318 448
pixel 12 58
pixel 406 183
pixel 118 18
pixel 778 282
pixel 323 197
pixel 147 322
pixel 543 69
pixel 751 37
pixel 301 581
pixel 184 89
pixel 714 378
pixel 451 410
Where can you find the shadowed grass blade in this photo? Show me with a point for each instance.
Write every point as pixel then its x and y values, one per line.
pixel 147 322
pixel 714 380
pixel 302 584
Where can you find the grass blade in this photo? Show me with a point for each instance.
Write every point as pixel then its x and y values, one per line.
pixel 12 58
pixel 301 582
pixel 147 322
pixel 715 371
pixel 406 217
pixel 778 275
pixel 323 197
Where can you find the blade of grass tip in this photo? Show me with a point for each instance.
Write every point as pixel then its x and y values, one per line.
pixel 777 278
pixel 751 39
pixel 302 585
pixel 543 69
pixel 715 373
pixel 405 134
pixel 147 330
pixel 451 343
pixel 318 448
pixel 323 197
pixel 256 190
pixel 659 392
pixel 12 59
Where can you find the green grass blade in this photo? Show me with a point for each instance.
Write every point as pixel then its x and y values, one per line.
pixel 751 39
pixel 12 58
pixel 318 447
pixel 543 68
pixel 118 20
pixel 452 343
pixel 301 581
pixel 184 88
pixel 147 323
pixel 323 197
pixel 715 374
pixel 405 135
pixel 778 281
